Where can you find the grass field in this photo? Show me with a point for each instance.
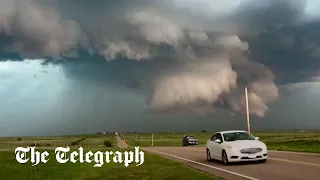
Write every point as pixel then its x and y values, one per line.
pixel 85 141
pixel 154 166
pixel 298 141
pixel 306 141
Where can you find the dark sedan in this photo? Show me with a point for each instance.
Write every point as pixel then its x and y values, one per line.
pixel 189 140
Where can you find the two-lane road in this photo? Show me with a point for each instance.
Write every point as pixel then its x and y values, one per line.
pixel 280 165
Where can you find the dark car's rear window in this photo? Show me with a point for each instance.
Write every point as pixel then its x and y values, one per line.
pixel 191 137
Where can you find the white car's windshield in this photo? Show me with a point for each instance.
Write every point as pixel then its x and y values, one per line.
pixel 236 136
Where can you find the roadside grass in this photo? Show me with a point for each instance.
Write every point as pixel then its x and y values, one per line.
pixel 155 167
pixel 97 141
pixel 85 141
pixel 312 145
pixel 282 140
pixel 163 138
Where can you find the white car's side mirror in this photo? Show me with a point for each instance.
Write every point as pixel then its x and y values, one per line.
pixel 217 141
pixel 257 138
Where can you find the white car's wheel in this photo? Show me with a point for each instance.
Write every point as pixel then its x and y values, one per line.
pixel 225 157
pixel 208 156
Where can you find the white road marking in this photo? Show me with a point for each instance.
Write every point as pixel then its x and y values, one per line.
pixel 202 164
pixel 276 151
pixel 276 159
pixel 290 152
pixel 296 162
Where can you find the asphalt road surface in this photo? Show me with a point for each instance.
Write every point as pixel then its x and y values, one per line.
pixel 279 166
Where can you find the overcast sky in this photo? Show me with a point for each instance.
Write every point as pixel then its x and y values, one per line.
pixel 71 67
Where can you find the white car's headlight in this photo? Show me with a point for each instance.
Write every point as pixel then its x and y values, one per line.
pixel 228 147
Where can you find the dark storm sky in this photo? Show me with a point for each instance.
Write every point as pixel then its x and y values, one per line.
pixel 77 67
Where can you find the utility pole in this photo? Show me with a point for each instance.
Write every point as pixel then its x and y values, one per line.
pixel 247 108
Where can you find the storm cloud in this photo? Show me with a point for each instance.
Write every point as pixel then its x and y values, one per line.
pixel 184 57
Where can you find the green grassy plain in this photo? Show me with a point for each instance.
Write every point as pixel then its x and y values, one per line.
pixel 154 167
pixel 306 141
pixel 85 141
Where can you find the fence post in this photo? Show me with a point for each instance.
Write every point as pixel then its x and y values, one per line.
pixel 141 140
pixel 152 140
